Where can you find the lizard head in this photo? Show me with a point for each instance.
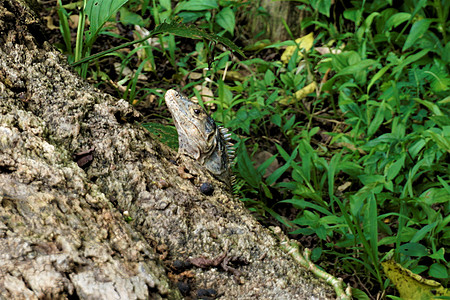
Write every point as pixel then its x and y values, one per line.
pixel 196 129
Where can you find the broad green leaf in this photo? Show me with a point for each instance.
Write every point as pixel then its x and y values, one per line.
pixel 395 168
pixel 418 5
pixel 246 168
pixel 269 78
pixel 360 295
pixel 413 249
pixel 281 219
pixel 196 5
pixel 165 134
pixel 444 184
pixel 439 254
pixel 417 30
pixel 377 76
pixel 352 14
pixel 438 270
pixel 332 220
pixel 434 195
pixel 372 226
pixel 130 18
pixel 225 18
pixel 424 231
pixel 323 6
pixel 266 190
pixel 446 53
pixel 441 141
pixel 333 169
pixel 369 20
pixel 416 147
pixel 190 16
pixel 431 106
pixel 165 4
pixel 98 12
pixel 377 120
pixel 369 179
pixel 396 20
pixel 321 232
pixel 262 168
pixel 304 204
pixel 359 66
pixel 398 70
pixel 278 172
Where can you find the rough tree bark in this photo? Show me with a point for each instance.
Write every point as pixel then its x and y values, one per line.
pixel 269 25
pixel 63 233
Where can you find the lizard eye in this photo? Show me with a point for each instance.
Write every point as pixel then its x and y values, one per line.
pixel 197 111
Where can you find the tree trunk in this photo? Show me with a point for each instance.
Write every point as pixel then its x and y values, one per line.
pixel 126 225
pixel 269 25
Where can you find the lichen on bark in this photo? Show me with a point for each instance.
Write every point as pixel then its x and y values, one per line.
pixel 64 229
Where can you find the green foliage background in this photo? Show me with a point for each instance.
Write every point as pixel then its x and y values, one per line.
pixel 378 185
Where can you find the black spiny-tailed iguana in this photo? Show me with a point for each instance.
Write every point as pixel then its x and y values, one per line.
pixel 200 138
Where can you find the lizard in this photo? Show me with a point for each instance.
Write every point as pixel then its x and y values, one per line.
pixel 200 138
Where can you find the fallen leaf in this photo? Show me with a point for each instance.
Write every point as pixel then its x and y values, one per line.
pixel 205 92
pixel 305 91
pixel 412 286
pixel 305 43
pixel 50 24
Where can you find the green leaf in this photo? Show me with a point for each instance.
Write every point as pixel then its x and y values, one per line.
pixel 434 195
pixel 197 5
pixel 360 295
pixel 431 106
pixel 370 179
pixel 262 168
pixel 372 227
pixel 413 249
pixel 225 19
pixel 173 28
pixel 333 169
pixel 323 6
pixel 246 168
pixel 278 172
pixel 359 66
pixel 416 147
pixel 130 18
pixel 377 120
pixel 165 4
pixel 398 70
pixel 300 203
pixel 64 26
pixel 352 14
pixel 98 12
pixel 441 141
pixel 439 255
pixel 446 53
pixel 424 231
pixel 395 168
pixel 165 134
pixel 377 76
pixel 281 219
pixel 438 270
pixel 417 30
pixel 396 20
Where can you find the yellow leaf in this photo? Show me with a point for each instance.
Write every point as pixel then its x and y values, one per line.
pixel 300 94
pixel 412 286
pixel 232 75
pixel 305 42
